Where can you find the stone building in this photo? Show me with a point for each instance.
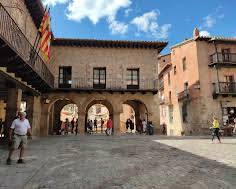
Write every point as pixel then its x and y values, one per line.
pixel 20 78
pixel 197 82
pixel 83 72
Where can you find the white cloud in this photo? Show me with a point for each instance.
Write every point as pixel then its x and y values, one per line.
pixel 205 33
pixel 117 27
pixel 209 21
pixel 147 23
pixel 54 2
pixel 127 12
pixel 95 10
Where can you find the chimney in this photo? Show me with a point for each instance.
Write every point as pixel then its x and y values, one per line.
pixel 196 33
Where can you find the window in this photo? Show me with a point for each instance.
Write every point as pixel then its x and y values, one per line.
pixel 184 112
pixel 65 77
pixel 226 55
pixel 99 78
pixel 174 70
pixel 229 78
pixel 184 63
pixel 229 85
pixel 132 78
pixel 169 78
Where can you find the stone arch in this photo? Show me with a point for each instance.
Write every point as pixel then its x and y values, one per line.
pixel 94 101
pixel 56 103
pixel 135 103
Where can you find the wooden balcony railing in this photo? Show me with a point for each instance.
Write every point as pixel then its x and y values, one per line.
pixel 220 58
pixel 225 88
pixel 84 83
pixel 12 35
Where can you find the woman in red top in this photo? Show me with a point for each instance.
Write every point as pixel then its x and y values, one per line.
pixel 109 126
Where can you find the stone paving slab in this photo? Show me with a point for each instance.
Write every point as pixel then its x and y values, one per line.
pixel 223 153
pixel 127 162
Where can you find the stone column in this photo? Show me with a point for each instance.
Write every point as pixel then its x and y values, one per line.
pixel 81 118
pixel 12 107
pixel 116 123
pixel 52 127
pixel 33 110
pixel 44 123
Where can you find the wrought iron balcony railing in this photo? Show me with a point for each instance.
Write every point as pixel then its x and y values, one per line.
pixel 220 58
pixel 161 84
pixel 225 88
pixel 12 35
pixel 110 84
pixel 184 95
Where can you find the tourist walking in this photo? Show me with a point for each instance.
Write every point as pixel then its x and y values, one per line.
pixel 67 125
pixel 127 124
pixel 18 137
pixel 144 123
pixel 102 123
pixel 76 126
pixel 131 126
pixel 234 129
pixel 216 129
pixel 72 125
pixel 88 127
pixel 109 127
pixel 150 128
pixel 95 125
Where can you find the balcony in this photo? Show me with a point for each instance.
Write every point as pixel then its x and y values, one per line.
pixel 228 59
pixel 224 88
pixel 184 95
pixel 112 85
pixel 15 55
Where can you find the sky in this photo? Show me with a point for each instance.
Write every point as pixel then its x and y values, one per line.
pixel 146 20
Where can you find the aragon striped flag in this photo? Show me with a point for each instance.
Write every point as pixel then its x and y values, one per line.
pixel 46 35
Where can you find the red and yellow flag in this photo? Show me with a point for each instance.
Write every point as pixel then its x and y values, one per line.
pixel 46 35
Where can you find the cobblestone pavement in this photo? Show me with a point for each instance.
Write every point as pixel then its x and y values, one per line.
pixel 127 162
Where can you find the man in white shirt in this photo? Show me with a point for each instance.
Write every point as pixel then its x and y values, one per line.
pixel 18 136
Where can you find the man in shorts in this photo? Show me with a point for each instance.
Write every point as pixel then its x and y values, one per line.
pixel 18 136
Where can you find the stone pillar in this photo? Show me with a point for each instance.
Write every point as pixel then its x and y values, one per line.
pixel 81 118
pixel 44 124
pixel 52 127
pixel 12 107
pixel 33 110
pixel 116 123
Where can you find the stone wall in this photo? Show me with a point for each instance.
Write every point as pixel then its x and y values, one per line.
pixel 116 61
pixel 19 12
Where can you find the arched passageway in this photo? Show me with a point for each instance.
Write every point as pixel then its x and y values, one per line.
pixel 97 117
pixel 136 111
pixel 61 110
pixel 99 110
pixel 127 118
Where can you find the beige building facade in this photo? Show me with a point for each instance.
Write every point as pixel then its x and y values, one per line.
pixel 200 83
pixel 81 72
pixel 111 73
